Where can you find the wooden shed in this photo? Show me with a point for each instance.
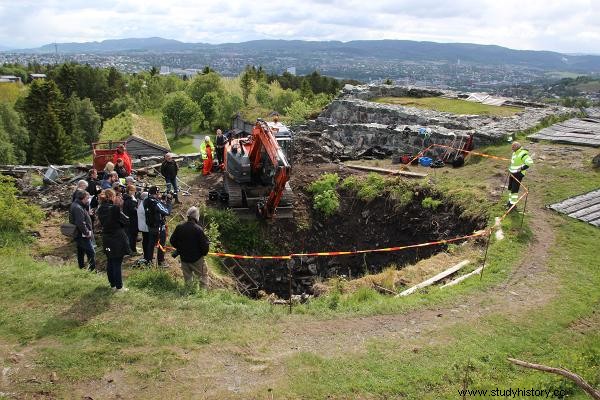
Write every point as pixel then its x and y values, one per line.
pixel 138 147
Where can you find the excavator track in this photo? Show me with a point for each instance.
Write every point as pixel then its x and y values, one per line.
pixel 234 190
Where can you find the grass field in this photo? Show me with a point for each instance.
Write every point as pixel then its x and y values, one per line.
pixel 538 300
pixel 454 106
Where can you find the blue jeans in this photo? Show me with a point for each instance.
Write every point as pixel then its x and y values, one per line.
pixel 113 270
pixel 172 183
pixel 85 247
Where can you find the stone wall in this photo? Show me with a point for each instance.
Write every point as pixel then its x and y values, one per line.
pixel 351 124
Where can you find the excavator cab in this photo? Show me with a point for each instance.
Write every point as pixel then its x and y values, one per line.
pixel 257 171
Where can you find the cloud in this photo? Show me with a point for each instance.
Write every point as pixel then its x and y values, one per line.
pixel 534 24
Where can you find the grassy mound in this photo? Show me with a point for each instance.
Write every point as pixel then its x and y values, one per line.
pixel 454 106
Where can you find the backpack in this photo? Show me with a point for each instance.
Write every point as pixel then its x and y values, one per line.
pixel 69 230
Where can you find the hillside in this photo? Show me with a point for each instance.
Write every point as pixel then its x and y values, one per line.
pixel 383 50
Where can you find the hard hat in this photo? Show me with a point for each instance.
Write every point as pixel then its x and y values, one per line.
pixel 207 138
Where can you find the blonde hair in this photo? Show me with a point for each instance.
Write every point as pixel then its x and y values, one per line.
pixel 131 188
pixel 109 194
pixel 110 167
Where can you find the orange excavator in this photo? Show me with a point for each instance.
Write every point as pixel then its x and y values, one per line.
pixel 257 171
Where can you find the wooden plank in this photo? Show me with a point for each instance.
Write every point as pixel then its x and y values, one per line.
pixel 585 211
pixel 581 205
pixel 434 279
pixel 575 200
pixel 387 171
pixel 462 278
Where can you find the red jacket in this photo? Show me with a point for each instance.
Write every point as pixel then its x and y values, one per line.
pixel 126 160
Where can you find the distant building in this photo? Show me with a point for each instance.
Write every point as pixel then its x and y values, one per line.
pixel 182 73
pixel 33 77
pixel 291 70
pixel 10 78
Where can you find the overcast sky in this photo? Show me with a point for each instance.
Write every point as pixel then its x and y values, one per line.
pixel 570 26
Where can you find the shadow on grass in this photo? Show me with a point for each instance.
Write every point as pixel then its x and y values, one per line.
pixel 88 306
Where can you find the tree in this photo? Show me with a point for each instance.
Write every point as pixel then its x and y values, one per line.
pixel 85 122
pixel 179 112
pixel 284 99
pixel 246 85
pixel 305 90
pixel 43 96
pixel 16 133
pixel 263 94
pixel 210 106
pixel 230 106
pixel 7 151
pixel 52 144
pixel 298 111
pixel 203 84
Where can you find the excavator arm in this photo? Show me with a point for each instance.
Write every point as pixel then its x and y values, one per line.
pixel 263 138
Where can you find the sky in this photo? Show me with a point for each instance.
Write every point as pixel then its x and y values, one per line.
pixel 571 26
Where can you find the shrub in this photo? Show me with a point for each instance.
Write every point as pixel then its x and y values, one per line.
pixel 15 214
pixel 326 199
pixel 428 202
pixel 350 183
pixel 324 183
pixel 327 202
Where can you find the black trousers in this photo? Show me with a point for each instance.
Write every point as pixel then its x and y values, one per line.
pixel 153 238
pixel 113 270
pixel 220 154
pixel 132 234
pixel 514 184
pixel 145 248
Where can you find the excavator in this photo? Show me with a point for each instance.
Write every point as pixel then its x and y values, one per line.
pixel 257 171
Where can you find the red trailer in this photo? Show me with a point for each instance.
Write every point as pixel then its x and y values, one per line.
pixel 103 152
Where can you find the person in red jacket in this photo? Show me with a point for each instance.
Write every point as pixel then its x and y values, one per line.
pixel 122 154
pixel 206 150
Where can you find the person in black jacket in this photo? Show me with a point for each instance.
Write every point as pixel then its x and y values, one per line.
pixel 192 245
pixel 169 169
pixel 130 204
pixel 156 211
pixel 220 144
pixel 84 238
pixel 114 239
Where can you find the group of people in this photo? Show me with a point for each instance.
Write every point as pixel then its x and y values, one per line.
pixel 123 209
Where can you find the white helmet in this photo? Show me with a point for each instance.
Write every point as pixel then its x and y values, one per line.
pixel 207 138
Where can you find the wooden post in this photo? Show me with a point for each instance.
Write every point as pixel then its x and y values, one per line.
pixel 524 208
pixel 487 246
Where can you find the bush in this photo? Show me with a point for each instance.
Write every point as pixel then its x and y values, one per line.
pixel 327 202
pixel 428 202
pixel 326 199
pixel 367 188
pixel 15 214
pixel 324 183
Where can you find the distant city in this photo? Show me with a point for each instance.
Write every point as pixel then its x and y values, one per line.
pixel 455 66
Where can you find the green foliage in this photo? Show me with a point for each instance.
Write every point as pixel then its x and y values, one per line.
pixel 246 85
pixel 16 215
pixel 52 145
pixel 210 105
pixel 179 112
pixel 326 199
pixel 327 202
pixel 430 203
pixel 401 195
pixel 84 125
pixel 14 137
pixel 201 85
pixel 298 111
pixel 284 99
pixel 263 94
pixel 366 188
pixel 324 183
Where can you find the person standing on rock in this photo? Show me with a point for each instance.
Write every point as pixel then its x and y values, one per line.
pixel 206 150
pixel 220 141
pixel 169 170
pixel 79 216
pixel 192 245
pixel 519 162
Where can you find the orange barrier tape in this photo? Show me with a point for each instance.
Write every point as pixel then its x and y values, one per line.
pixel 389 249
pixel 250 257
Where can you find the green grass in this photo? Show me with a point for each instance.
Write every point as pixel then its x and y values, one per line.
pixel 183 145
pixel 454 106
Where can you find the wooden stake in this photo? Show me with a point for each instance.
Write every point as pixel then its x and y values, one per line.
pixel 586 387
